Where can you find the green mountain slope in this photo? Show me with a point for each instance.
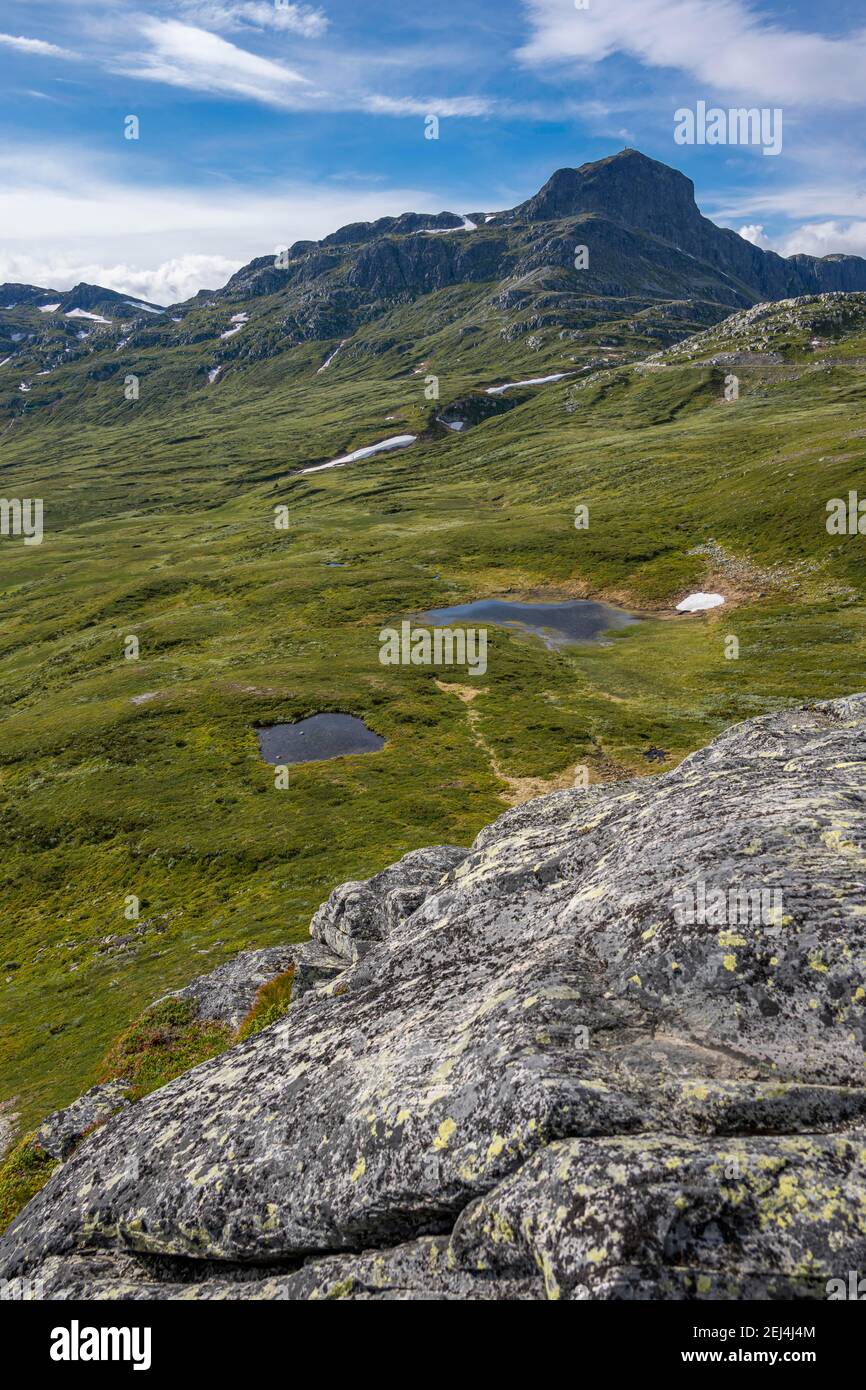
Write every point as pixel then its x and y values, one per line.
pixel 142 777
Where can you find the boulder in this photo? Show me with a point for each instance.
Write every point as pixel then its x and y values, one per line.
pixel 615 1050
pixel 227 994
pixel 59 1134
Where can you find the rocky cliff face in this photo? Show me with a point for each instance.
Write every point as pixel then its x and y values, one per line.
pixel 638 216
pixel 616 1049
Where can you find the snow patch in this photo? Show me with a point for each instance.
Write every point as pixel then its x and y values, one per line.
pixel 531 381
pixel 48 308
pixel 239 320
pixel 83 314
pixel 397 441
pixel 145 308
pixel 213 374
pixel 699 603
pixel 468 226
pixel 330 359
pixel 25 387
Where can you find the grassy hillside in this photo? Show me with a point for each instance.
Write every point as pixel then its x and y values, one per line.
pixel 159 520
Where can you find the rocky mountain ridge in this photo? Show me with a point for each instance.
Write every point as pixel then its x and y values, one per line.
pixel 655 271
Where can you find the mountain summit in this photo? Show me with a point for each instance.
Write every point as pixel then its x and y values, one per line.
pixel 652 271
pixel 629 187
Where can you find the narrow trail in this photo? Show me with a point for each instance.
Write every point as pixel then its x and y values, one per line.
pixel 519 789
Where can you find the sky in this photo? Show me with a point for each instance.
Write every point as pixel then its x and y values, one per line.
pixel 261 122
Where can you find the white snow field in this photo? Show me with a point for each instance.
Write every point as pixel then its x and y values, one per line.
pixel 397 441
pixel 443 231
pixel 699 603
pixel 532 381
pixel 239 320
pixel 83 314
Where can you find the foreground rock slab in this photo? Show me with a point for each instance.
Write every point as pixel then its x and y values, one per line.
pixel 614 1050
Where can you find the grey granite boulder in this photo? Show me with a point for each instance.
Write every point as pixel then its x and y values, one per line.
pixel 314 967
pixel 227 994
pixel 616 1050
pixel 59 1134
pixel 358 915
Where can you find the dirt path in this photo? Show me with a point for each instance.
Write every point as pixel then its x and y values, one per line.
pixel 520 789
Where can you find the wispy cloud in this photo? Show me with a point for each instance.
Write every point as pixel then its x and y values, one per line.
pixel 724 44
pixel 842 201
pixel 37 47
pixel 437 106
pixel 305 20
pixel 182 55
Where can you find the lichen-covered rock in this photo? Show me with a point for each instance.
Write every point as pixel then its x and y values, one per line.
pixel 357 915
pixel 616 1050
pixel 314 967
pixel 59 1134
pixel 227 994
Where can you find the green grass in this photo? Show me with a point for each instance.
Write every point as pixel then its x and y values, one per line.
pixel 24 1170
pixel 159 523
pixel 166 1041
pixel 271 1003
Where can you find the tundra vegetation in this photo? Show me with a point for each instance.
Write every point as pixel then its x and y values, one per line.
pixel 141 778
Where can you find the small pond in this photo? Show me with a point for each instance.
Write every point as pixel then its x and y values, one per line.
pixel 557 624
pixel 315 739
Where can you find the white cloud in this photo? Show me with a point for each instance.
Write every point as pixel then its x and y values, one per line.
pixel 310 23
pixel 825 239
pixel 432 106
pixel 168 283
pixel 830 238
pixel 185 56
pixel 724 44
pixel 35 46
pixel 162 243
pixel 754 232
pixel 795 201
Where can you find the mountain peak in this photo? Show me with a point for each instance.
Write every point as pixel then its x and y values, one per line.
pixel 628 187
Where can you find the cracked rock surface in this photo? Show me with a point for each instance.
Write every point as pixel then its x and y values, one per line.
pixel 537 1075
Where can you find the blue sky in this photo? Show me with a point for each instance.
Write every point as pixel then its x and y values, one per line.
pixel 262 122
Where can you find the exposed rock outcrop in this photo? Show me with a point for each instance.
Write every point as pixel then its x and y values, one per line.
pixel 571 1062
pixel 59 1134
pixel 227 994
